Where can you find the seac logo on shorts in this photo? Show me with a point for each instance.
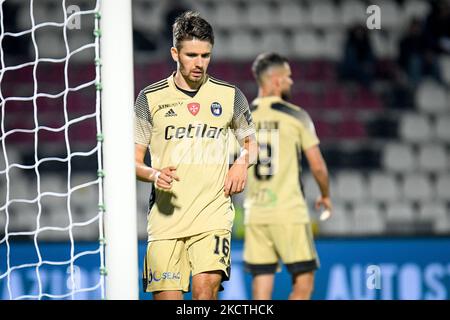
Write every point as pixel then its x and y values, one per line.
pixel 162 276
pixel 216 109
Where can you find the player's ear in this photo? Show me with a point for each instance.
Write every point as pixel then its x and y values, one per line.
pixel 276 81
pixel 174 53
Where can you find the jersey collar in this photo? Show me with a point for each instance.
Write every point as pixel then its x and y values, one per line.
pixel 258 100
pixel 171 81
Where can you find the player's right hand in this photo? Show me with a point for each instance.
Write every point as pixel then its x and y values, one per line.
pixel 166 177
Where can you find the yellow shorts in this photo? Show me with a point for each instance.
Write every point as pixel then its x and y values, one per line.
pixel 293 244
pixel 169 264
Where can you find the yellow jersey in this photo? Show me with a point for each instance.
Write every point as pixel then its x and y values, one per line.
pixel 191 131
pixel 274 192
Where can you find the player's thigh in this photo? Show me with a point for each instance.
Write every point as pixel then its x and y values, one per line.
pixel 210 251
pixel 166 267
pixel 295 245
pixel 260 255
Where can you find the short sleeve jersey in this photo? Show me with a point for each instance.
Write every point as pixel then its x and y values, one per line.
pixel 274 194
pixel 191 134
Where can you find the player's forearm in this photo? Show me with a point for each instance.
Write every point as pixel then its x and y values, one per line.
pixel 249 153
pixel 252 152
pixel 145 173
pixel 321 176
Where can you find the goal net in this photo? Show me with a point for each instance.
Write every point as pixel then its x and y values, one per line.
pixel 51 174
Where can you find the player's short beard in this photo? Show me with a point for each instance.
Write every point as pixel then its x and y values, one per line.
pixel 286 95
pixel 188 78
pixel 198 80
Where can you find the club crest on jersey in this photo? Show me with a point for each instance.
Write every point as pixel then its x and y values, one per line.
pixel 194 108
pixel 216 109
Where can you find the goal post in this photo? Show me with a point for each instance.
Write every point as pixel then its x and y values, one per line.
pixel 67 179
pixel 121 251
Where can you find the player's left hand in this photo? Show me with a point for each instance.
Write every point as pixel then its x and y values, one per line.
pixel 324 202
pixel 235 179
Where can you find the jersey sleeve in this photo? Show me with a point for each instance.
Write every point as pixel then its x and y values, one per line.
pixel 242 122
pixel 142 120
pixel 308 133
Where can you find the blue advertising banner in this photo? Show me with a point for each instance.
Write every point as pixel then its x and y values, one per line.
pixel 362 269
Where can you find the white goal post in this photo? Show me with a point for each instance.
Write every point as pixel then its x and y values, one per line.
pixel 119 182
pixel 69 101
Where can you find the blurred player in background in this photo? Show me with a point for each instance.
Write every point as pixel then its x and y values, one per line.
pixel 277 223
pixel 184 121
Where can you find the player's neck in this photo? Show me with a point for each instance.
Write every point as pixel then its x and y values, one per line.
pixel 185 83
pixel 265 92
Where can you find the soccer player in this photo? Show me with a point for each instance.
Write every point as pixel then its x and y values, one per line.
pixel 184 120
pixel 277 222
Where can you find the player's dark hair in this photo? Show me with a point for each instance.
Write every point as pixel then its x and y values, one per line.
pixel 264 61
pixel 190 25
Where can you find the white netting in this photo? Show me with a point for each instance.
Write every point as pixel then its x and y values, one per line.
pixel 51 197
